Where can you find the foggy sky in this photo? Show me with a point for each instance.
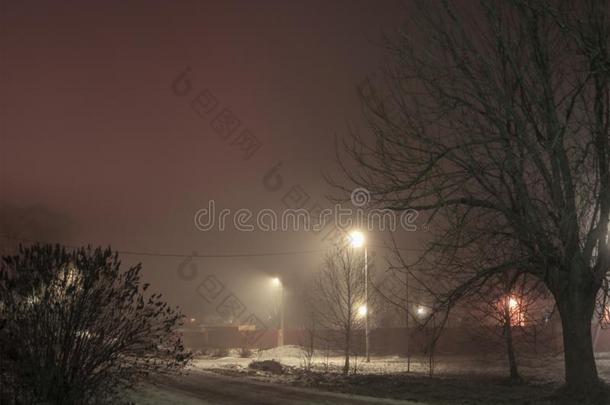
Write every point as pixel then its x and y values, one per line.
pixel 92 133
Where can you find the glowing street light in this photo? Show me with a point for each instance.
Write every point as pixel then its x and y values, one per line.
pixel 356 239
pixel 421 310
pixel 362 311
pixel 515 313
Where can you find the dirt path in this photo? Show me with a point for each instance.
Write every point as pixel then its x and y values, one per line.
pixel 215 389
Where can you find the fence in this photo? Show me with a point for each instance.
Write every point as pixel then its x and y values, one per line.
pixel 455 340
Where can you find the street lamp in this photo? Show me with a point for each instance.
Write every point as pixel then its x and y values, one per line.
pixel 356 239
pixel 362 311
pixel 421 310
pixel 280 333
pixel 514 311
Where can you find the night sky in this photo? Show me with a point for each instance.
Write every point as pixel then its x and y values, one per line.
pixel 96 148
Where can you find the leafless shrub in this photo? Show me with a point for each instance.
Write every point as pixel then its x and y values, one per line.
pixel 77 329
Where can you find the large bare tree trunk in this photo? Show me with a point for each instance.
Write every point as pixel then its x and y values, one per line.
pixel 576 308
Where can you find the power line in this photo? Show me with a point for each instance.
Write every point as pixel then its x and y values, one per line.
pixel 194 255
pixel 225 255
pixel 206 255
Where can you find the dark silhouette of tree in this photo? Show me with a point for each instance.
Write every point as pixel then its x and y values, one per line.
pixel 76 329
pixel 493 120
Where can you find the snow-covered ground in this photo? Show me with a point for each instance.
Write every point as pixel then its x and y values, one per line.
pixel 543 368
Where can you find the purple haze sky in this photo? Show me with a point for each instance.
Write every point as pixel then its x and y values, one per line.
pixel 92 133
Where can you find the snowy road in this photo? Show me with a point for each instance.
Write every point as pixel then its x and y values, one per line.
pixel 215 389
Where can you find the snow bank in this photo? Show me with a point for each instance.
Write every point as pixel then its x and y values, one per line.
pixel 281 352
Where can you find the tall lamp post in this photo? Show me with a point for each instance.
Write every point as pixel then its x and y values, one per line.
pixel 357 240
pixel 280 333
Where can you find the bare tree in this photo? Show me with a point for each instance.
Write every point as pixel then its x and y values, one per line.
pixel 308 347
pixel 494 120
pixel 337 296
pixel 505 305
